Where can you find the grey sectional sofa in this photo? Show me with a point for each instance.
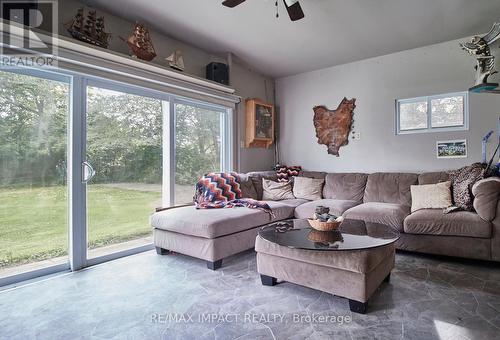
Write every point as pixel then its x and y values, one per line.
pixel 385 198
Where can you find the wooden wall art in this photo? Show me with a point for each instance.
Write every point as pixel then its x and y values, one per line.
pixel 259 124
pixel 333 127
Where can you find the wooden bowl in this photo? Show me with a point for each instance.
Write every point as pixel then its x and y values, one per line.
pixel 325 236
pixel 325 226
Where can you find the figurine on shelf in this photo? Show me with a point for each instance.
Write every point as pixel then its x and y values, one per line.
pixel 485 62
pixel 90 29
pixel 140 43
pixel 176 61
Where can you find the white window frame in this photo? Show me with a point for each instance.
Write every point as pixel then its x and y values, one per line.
pixel 429 128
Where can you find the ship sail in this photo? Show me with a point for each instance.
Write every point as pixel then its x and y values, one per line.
pixel 88 29
pixel 140 43
pixel 176 61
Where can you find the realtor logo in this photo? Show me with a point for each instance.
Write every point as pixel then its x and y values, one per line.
pixel 26 46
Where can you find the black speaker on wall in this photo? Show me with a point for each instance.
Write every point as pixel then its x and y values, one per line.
pixel 218 72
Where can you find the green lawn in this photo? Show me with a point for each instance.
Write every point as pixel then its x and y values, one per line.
pixel 33 221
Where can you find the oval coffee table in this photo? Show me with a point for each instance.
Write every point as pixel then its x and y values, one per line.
pixel 351 262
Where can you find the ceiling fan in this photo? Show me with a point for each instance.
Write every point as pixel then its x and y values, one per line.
pixel 292 7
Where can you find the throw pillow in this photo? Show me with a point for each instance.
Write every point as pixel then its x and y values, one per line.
pixel 276 191
pixel 308 188
pixel 462 181
pixel 247 188
pixel 284 173
pixel 256 178
pixel 430 196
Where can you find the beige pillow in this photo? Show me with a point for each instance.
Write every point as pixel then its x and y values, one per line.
pixel 308 188
pixel 431 196
pixel 276 191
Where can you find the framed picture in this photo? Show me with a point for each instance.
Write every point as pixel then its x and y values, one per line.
pixel 451 148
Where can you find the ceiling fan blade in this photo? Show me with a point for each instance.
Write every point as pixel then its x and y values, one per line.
pixel 232 3
pixel 294 10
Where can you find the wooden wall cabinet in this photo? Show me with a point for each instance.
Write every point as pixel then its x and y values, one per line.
pixel 259 126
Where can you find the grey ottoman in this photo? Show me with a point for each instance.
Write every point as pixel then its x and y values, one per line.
pixel 351 263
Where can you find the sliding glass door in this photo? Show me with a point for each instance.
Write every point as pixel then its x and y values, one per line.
pixel 84 162
pixel 124 148
pixel 34 112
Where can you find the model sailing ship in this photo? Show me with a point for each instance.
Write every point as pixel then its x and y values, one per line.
pixel 176 61
pixel 140 43
pixel 88 29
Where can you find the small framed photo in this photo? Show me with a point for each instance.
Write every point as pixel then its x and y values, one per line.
pixel 451 148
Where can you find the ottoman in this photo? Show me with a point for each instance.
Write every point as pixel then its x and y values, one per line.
pixel 332 267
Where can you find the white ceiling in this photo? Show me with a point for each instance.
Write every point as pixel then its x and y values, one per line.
pixel 333 32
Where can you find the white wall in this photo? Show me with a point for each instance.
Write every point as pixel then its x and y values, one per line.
pixel 246 82
pixel 376 83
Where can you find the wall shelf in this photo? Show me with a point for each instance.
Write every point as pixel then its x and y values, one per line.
pixel 80 56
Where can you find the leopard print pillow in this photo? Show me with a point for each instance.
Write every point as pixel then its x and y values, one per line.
pixel 462 181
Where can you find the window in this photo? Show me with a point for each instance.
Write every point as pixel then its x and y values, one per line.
pixel 447 112
pixel 84 162
pixel 34 112
pixel 199 146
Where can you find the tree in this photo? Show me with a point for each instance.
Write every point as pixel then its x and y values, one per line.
pixel 124 135
pixel 33 121
pixel 198 143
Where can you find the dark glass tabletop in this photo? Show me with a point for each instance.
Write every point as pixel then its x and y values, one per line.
pixel 351 235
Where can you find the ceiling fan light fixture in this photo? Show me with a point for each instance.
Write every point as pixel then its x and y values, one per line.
pixel 294 10
pixel 232 3
pixel 292 7
pixel 290 2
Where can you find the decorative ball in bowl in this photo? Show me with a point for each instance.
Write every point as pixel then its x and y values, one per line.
pixel 326 225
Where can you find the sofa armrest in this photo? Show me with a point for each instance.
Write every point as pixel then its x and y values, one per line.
pixel 174 207
pixel 486 196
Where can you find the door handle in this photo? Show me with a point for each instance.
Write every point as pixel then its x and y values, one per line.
pixel 88 172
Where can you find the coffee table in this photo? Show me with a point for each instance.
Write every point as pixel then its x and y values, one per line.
pixel 351 262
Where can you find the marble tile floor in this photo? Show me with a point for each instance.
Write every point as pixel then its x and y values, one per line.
pixel 133 298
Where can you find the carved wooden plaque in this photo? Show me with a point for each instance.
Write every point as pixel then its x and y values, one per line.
pixel 333 127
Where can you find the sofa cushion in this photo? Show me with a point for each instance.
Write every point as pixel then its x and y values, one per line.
pixel 337 207
pixel 389 214
pixel 433 177
pixel 462 181
pixel 345 186
pixel 276 191
pixel 312 174
pixel 212 223
pixel 256 178
pixel 294 202
pixel 388 187
pixel 486 196
pixel 247 187
pixel 359 261
pixel 308 188
pixel 431 196
pixel 435 222
pixel 282 209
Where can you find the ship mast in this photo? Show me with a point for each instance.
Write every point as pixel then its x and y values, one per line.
pixel 77 23
pixel 90 24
